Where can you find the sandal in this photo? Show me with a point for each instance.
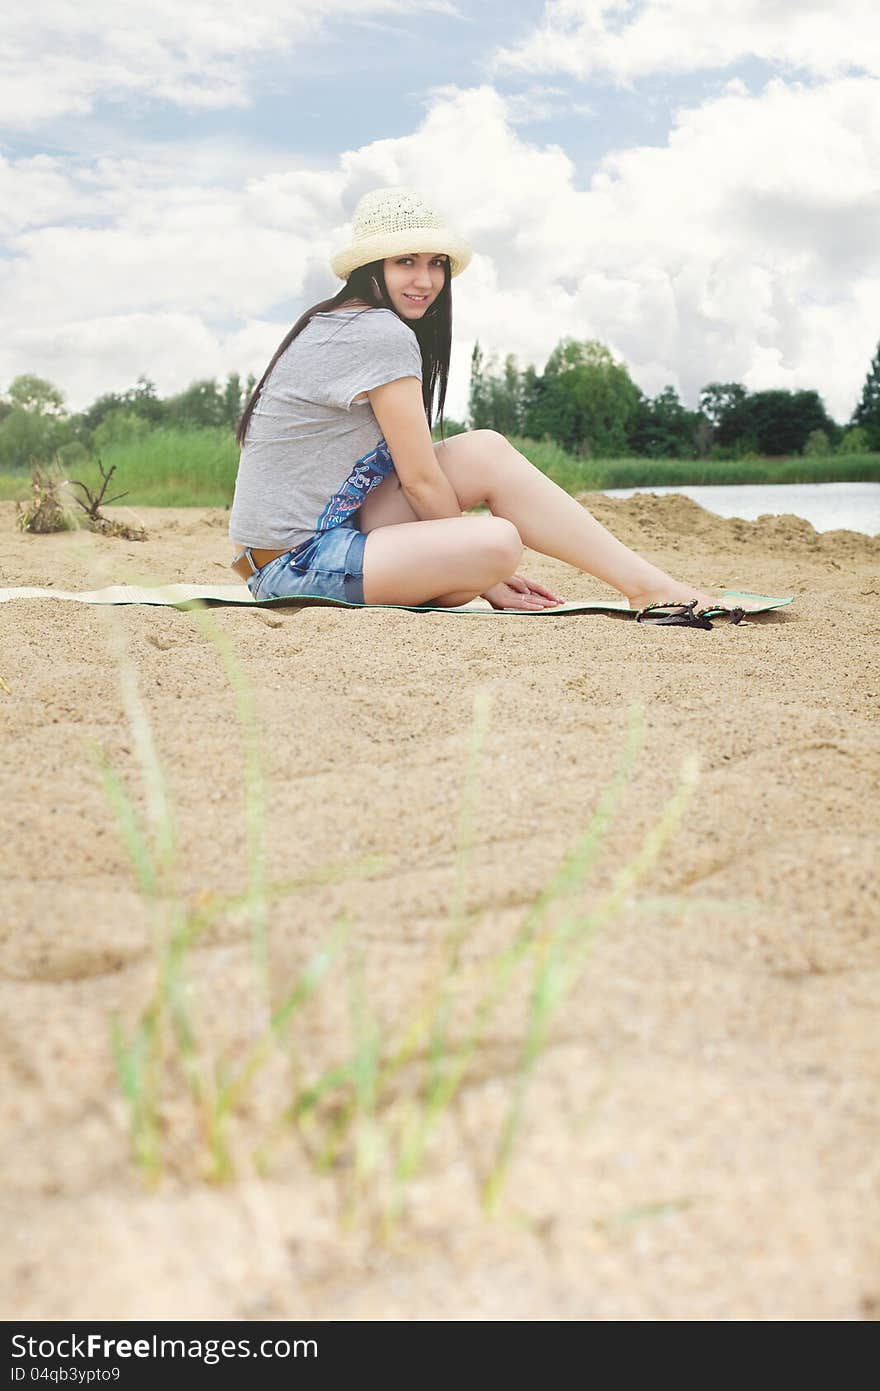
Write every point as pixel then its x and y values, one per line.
pixel 684 615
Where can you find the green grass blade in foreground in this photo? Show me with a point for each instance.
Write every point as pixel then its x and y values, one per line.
pixel 174 940
pixel 369 1140
pixel 367 1070
pixel 210 908
pixel 154 866
pixel 420 1120
pixel 570 876
pixel 459 920
pixel 153 852
pixel 155 858
pixel 422 1112
pixel 152 863
pixel 126 820
pixel 255 799
pixel 560 962
pixel 135 1065
pixel 138 1058
pixel 165 1032
pixel 231 1088
pixel 567 880
pixel 353 1089
pixel 258 897
pixel 175 990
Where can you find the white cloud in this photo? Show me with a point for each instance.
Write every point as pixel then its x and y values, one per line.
pixel 36 191
pixel 108 352
pixel 745 248
pixel 58 59
pixel 628 39
pixel 705 258
pixel 544 103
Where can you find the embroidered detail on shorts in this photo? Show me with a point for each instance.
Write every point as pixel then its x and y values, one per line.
pixel 367 474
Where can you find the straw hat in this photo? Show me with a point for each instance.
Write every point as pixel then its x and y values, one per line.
pixel 390 221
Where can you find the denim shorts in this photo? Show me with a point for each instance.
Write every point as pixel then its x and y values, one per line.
pixel 329 565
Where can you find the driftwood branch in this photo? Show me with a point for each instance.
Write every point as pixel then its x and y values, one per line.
pixel 94 503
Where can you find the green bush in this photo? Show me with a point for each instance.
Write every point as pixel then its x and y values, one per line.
pixel 25 438
pixel 854 441
pixel 73 454
pixel 119 427
pixel 818 445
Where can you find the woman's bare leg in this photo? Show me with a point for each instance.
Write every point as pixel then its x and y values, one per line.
pixel 484 467
pixel 413 562
pixel 549 520
pixel 418 564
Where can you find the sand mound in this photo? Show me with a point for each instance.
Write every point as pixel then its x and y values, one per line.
pixel 674 515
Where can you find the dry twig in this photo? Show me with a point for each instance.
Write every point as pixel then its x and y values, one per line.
pixel 93 505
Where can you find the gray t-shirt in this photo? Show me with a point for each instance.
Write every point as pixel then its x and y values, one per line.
pixel 311 453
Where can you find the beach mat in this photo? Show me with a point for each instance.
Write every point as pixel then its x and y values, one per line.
pixel 184 596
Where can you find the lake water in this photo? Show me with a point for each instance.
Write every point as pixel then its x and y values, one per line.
pixel 826 506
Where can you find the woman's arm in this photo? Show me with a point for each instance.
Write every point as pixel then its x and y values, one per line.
pixel 399 409
pixel 433 500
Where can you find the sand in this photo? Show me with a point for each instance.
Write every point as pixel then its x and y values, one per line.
pixel 701 1138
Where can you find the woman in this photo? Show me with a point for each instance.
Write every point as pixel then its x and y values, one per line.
pixel 340 491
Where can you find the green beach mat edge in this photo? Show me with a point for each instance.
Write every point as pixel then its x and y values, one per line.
pixel 188 595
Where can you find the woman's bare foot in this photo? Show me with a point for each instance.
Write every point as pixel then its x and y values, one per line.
pixel 674 592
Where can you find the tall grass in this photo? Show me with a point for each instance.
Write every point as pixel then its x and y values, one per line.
pixel 370 1116
pixel 586 475
pixel 165 468
pixel 197 468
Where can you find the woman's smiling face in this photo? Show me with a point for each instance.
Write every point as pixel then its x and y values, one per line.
pixel 414 281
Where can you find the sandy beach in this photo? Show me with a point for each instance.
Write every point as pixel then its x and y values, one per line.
pixel 700 1139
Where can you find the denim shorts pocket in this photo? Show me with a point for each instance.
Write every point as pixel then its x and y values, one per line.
pixel 300 560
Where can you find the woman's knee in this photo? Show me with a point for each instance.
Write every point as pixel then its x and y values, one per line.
pixel 408 563
pixel 493 439
pixel 470 461
pixel 505 540
pixel 478 444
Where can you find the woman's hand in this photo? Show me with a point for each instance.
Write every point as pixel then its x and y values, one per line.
pixel 520 593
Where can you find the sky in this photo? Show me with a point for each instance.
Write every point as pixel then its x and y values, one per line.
pixel 696 186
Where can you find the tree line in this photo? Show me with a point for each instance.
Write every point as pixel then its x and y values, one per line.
pixel 35 425
pixel 585 401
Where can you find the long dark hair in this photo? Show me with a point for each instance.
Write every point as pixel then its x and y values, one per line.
pixel 433 333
